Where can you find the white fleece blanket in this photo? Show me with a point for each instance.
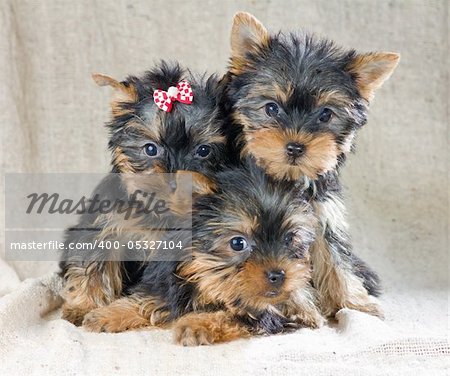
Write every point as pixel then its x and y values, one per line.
pixel 34 340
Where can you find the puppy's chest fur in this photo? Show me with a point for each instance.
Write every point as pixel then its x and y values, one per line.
pixel 325 194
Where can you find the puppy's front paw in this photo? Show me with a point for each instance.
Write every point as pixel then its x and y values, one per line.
pixel 74 314
pixel 194 335
pixel 121 315
pixel 370 307
pixel 312 320
pixel 96 321
pixel 208 328
pixel 375 310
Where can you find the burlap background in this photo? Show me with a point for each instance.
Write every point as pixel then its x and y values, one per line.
pixel 52 114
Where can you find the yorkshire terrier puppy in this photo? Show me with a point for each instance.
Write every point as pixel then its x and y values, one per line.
pixel 247 271
pixel 296 103
pixel 165 121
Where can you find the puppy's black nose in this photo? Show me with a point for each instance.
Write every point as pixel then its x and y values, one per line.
pixel 276 278
pixel 294 149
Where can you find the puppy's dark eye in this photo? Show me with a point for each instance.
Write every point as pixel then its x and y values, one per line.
pixel 272 109
pixel 325 115
pixel 288 239
pixel 238 243
pixel 151 149
pixel 203 151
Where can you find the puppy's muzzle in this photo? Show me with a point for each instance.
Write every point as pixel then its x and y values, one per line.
pixel 295 150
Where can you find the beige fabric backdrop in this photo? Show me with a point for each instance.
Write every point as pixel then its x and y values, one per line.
pixel 52 114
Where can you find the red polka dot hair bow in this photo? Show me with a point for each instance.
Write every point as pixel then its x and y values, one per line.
pixel 181 93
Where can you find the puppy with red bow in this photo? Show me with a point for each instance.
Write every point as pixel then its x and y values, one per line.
pixel 163 122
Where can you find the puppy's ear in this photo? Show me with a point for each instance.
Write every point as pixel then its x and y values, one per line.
pixel 247 33
pixel 123 92
pixel 371 70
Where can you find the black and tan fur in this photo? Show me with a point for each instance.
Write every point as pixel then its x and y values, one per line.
pixel 220 292
pixel 102 277
pixel 296 102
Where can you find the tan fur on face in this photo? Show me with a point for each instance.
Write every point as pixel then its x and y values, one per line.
pixel 279 93
pixel 189 184
pixel 201 185
pixel 241 223
pixel 219 283
pixel 247 35
pixel 151 133
pixel 372 69
pixel 181 200
pixel 206 328
pixel 333 97
pixel 149 181
pixel 127 313
pixel 254 283
pixel 212 139
pixel 268 147
pixel 122 162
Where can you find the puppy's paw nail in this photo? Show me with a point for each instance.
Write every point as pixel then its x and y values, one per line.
pixel 93 323
pixel 187 336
